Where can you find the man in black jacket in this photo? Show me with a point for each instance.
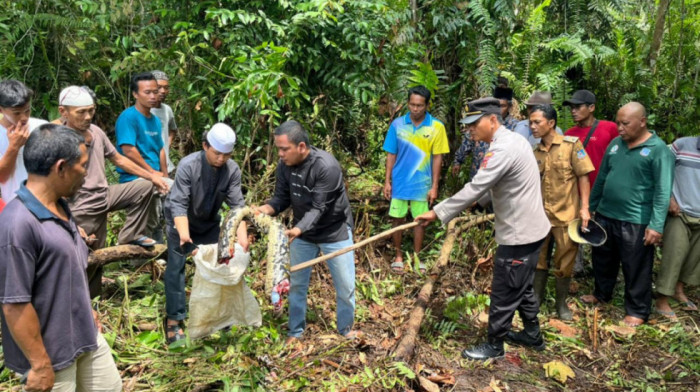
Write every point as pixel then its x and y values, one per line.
pixel 310 181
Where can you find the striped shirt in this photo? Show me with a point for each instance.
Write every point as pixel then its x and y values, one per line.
pixel 686 182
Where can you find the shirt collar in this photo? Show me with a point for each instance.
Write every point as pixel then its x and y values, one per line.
pixel 647 143
pixel 35 207
pixel 426 121
pixel 500 131
pixel 558 139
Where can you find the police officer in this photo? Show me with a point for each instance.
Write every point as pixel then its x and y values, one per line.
pixel 508 177
pixel 564 167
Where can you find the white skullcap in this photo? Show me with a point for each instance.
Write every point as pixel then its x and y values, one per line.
pixel 222 138
pixel 75 96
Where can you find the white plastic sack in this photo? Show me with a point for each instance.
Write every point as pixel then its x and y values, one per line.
pixel 220 297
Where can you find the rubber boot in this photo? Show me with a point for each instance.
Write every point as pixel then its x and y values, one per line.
pixel 540 285
pixel 530 336
pixel 562 290
pixel 493 349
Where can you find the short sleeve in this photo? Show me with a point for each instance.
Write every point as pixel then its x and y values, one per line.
pixel 580 160
pixel 440 144
pixel 17 272
pixel 390 143
pixel 125 132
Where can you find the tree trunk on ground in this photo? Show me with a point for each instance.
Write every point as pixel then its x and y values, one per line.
pixel 124 252
pixel 658 33
pixel 404 349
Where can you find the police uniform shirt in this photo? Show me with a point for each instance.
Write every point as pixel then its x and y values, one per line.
pixel 560 166
pixel 510 178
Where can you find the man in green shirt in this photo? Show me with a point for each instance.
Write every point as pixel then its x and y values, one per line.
pixel 630 198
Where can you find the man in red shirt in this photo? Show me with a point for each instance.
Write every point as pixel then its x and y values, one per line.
pixel 595 135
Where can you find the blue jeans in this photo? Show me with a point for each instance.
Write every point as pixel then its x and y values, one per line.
pixel 174 277
pixel 343 272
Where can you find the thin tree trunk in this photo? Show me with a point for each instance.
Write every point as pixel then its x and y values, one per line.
pixel 658 33
pixel 124 252
pixel 404 349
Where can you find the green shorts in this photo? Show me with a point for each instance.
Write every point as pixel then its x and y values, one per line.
pixel 399 208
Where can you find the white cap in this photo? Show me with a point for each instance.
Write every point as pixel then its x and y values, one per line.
pixel 222 138
pixel 75 96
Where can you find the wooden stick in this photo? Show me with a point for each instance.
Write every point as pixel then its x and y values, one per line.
pixel 360 244
pixel 404 349
pixel 595 329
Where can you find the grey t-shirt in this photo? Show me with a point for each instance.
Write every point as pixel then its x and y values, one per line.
pixel 92 196
pixel 167 124
pixel 43 263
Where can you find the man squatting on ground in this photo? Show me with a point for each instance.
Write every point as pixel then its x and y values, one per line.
pixel 15 126
pixel 564 167
pixel 509 177
pixel 138 134
pixel 310 181
pixel 630 199
pixel 414 144
pixel 49 331
pixel 203 182
pixel 96 198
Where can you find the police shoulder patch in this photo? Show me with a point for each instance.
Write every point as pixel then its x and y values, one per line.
pixel 581 153
pixel 570 139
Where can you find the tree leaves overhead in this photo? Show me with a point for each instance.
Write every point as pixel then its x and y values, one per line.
pixel 330 63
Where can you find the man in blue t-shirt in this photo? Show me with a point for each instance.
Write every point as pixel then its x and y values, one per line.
pixel 139 139
pixel 138 131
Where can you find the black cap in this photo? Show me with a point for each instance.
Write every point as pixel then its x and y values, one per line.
pixel 480 107
pixel 580 97
pixel 503 93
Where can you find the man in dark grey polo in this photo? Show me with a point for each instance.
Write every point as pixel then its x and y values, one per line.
pixel 49 331
pixel 204 180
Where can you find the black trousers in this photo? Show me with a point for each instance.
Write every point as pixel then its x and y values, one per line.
pixel 511 288
pixel 625 245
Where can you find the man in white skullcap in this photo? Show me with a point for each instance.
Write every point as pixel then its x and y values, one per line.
pixel 96 198
pixel 203 182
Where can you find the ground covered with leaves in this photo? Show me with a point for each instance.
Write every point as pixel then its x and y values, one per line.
pixel 660 356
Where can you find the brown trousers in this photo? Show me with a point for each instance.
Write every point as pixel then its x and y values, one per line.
pixel 134 197
pixel 564 253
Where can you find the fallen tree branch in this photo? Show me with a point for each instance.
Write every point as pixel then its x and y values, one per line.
pixel 360 244
pixel 124 252
pixel 404 348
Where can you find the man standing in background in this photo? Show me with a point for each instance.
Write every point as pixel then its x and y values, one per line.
pixel 414 145
pixel 15 126
pixel 165 114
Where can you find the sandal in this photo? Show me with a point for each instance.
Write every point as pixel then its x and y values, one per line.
pixel 632 321
pixel 688 305
pixel 670 314
pixel 144 241
pixel 422 268
pixel 176 330
pixel 397 267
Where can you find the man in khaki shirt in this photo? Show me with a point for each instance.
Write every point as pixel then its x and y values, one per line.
pixel 564 167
